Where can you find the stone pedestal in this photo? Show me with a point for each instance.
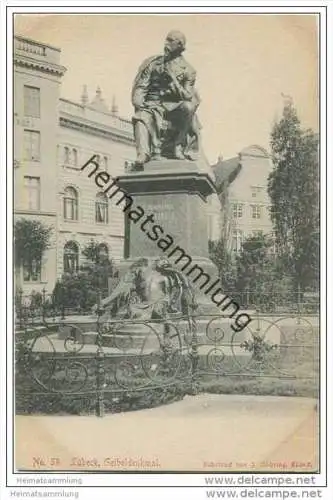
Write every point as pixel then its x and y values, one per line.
pixel 173 194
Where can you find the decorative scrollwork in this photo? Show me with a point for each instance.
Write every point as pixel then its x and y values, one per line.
pixel 74 343
pixel 141 362
pixel 59 375
pixel 214 332
pixel 216 359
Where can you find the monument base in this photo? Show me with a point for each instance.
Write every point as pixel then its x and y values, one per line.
pixel 170 196
pixel 169 209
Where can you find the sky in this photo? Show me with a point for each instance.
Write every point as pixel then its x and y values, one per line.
pixel 244 63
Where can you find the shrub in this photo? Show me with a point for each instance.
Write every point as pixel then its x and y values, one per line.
pixel 81 290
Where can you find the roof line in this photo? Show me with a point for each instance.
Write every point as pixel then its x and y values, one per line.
pixel 36 42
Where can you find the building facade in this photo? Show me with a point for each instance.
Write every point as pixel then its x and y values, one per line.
pixel 84 212
pixel 53 139
pixel 37 81
pixel 247 203
pixel 249 200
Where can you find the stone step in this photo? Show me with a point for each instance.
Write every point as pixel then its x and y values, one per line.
pixel 122 341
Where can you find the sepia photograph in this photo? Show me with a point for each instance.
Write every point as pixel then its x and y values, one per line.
pixel 166 242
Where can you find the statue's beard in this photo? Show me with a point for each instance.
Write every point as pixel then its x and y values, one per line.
pixel 167 53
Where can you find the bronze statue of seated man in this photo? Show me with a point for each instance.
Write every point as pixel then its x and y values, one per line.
pixel 165 101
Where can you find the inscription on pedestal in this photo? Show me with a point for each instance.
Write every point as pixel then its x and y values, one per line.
pixel 163 212
pixel 176 218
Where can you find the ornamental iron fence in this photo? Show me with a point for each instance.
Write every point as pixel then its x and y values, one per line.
pixel 83 364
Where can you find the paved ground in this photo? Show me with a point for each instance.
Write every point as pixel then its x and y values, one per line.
pixel 203 433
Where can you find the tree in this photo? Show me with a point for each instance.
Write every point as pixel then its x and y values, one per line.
pixel 222 258
pixel 98 267
pixel 254 269
pixel 31 240
pixel 81 290
pixel 294 190
pixel 259 281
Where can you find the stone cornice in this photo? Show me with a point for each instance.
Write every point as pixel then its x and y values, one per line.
pixel 35 213
pixel 96 129
pixel 44 66
pixel 35 43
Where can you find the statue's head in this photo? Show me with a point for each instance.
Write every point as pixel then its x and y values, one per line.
pixel 174 43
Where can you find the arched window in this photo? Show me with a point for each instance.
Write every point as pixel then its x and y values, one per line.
pixel 74 151
pixel 102 208
pixel 103 250
pixel 71 257
pixel 71 204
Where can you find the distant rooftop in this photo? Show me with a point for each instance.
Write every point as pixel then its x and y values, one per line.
pixel 95 119
pixel 40 56
pixel 254 150
pixel 226 171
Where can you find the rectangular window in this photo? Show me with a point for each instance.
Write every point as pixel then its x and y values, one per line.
pixel 31 145
pixel 237 210
pixel 70 210
pixel 256 211
pixel 32 192
pixel 66 156
pixel 101 212
pixel 75 157
pixel 31 101
pixel 256 190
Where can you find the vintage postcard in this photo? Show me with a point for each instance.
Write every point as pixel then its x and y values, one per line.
pixel 167 210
